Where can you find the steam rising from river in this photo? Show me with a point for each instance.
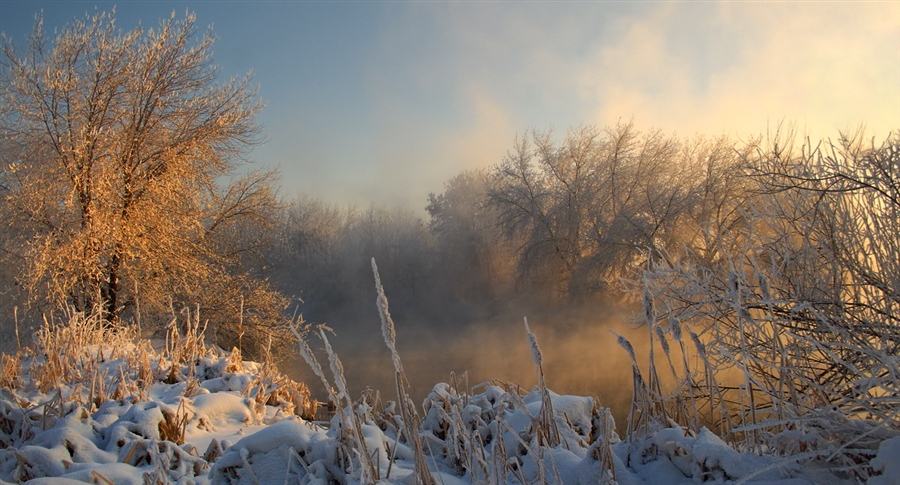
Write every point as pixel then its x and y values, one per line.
pixel 581 356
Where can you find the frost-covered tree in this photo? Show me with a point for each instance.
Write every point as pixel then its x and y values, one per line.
pixel 586 208
pixel 326 251
pixel 309 262
pixel 120 152
pixel 801 302
pixel 473 258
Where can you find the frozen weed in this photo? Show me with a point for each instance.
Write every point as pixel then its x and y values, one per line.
pixel 547 429
pixel 346 422
pixel 408 412
pixel 782 360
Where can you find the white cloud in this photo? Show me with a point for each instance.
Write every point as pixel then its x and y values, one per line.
pixel 448 86
pixel 485 139
pixel 824 66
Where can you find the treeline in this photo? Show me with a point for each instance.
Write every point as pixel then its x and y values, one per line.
pixel 562 220
pixel 557 222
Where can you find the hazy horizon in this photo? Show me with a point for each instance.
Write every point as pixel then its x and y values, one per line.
pixel 382 102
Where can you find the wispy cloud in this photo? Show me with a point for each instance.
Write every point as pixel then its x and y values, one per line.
pixel 452 84
pixel 826 67
pixel 386 101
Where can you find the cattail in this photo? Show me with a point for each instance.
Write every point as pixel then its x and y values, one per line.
pixel 625 344
pixel 663 342
pixel 536 355
pixel 675 327
pixel 408 412
pixel 648 308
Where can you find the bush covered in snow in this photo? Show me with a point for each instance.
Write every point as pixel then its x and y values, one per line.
pixel 786 324
pixel 87 400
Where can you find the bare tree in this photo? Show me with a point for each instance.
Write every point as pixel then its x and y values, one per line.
pixel 718 195
pixel 398 239
pixel 119 160
pixel 473 259
pixel 588 207
pixel 309 262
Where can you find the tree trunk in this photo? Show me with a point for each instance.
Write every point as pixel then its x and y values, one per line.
pixel 110 293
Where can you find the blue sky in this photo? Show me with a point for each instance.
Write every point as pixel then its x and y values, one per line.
pixel 383 101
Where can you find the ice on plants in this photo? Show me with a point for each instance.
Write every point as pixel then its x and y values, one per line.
pixel 151 417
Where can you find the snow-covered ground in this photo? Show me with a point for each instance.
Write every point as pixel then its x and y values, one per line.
pixel 122 413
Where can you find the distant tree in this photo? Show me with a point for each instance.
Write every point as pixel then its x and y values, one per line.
pixel 325 259
pixel 399 240
pixel 118 166
pixel 472 257
pixel 588 206
pixel 308 256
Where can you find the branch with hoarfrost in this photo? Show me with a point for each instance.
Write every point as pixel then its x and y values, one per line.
pixel 794 321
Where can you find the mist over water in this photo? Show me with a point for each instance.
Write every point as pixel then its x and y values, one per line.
pixel 460 284
pixel 580 354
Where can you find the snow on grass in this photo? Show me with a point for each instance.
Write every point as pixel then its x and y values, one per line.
pixel 135 415
pixel 888 463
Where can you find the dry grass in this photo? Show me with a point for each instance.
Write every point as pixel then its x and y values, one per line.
pixel 174 425
pixel 10 371
pixel 80 361
pixel 768 371
pixel 451 436
pixel 408 413
pixel 350 436
pixel 72 349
